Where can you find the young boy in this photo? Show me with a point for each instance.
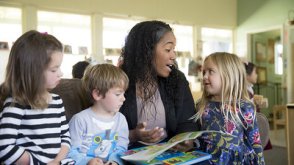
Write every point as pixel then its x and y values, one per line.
pixel 100 133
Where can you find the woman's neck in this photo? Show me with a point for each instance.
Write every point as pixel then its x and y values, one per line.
pixel 145 92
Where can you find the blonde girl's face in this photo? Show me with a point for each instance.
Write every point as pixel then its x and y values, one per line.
pixel 53 73
pixel 212 80
pixel 252 78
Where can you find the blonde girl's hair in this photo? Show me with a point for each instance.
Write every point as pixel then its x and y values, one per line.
pixel 29 57
pixel 102 77
pixel 234 86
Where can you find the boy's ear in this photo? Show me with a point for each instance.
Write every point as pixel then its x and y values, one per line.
pixel 95 94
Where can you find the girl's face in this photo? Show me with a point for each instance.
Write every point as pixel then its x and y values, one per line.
pixel 53 73
pixel 165 54
pixel 212 79
pixel 113 100
pixel 252 78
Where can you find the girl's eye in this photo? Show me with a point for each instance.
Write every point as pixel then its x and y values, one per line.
pixel 211 71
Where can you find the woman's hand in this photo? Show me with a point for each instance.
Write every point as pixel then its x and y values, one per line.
pixel 111 163
pixel 149 136
pixel 184 146
pixel 95 161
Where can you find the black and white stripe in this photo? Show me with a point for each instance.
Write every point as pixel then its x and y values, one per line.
pixel 40 132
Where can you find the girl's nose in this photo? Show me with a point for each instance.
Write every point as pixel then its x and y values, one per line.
pixel 205 76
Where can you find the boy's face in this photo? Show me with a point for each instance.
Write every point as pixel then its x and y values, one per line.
pixel 113 100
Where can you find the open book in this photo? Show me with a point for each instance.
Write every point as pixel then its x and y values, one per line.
pixel 150 152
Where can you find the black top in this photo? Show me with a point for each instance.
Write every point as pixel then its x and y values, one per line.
pixel 177 100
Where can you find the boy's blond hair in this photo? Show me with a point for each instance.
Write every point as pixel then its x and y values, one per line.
pixel 102 77
pixel 234 85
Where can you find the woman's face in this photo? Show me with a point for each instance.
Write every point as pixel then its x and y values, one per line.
pixel 165 54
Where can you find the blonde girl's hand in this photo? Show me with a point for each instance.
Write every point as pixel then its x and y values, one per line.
pixel 184 146
pixel 95 161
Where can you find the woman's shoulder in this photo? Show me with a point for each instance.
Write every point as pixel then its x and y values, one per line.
pixel 177 75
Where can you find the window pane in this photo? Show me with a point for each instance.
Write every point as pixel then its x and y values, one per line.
pixel 75 35
pixel 10 30
pixel 216 40
pixel 278 58
pixel 114 33
pixel 184 47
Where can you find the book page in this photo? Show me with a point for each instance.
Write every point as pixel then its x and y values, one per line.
pixel 153 151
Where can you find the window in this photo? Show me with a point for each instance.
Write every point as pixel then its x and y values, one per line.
pixel 114 33
pixel 75 35
pixel 10 30
pixel 184 47
pixel 278 58
pixel 216 40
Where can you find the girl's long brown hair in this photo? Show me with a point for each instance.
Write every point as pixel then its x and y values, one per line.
pixel 24 81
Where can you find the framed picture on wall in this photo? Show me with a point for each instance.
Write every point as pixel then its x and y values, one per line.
pixel 67 49
pixel 271 51
pixel 260 52
pixel 262 77
pixel 3 45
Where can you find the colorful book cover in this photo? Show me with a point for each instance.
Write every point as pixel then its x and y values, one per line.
pixel 170 157
pixel 150 152
pixel 187 158
pixel 155 154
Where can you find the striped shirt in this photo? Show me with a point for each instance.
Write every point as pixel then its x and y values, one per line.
pixel 39 132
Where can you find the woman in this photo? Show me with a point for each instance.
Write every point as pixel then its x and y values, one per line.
pixel 159 103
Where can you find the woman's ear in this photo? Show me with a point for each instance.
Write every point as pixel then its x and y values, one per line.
pixel 96 95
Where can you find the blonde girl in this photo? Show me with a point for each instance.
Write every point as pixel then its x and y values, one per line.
pixel 33 125
pixel 226 107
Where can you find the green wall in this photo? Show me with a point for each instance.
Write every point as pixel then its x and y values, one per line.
pixel 259 15
pixel 253 18
pixel 262 13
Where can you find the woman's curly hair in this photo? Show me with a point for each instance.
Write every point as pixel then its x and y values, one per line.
pixel 138 55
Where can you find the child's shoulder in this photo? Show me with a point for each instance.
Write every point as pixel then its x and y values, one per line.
pixel 246 106
pixel 83 115
pixel 84 112
pixel 55 96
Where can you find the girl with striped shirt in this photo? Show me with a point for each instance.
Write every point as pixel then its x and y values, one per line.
pixel 33 127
